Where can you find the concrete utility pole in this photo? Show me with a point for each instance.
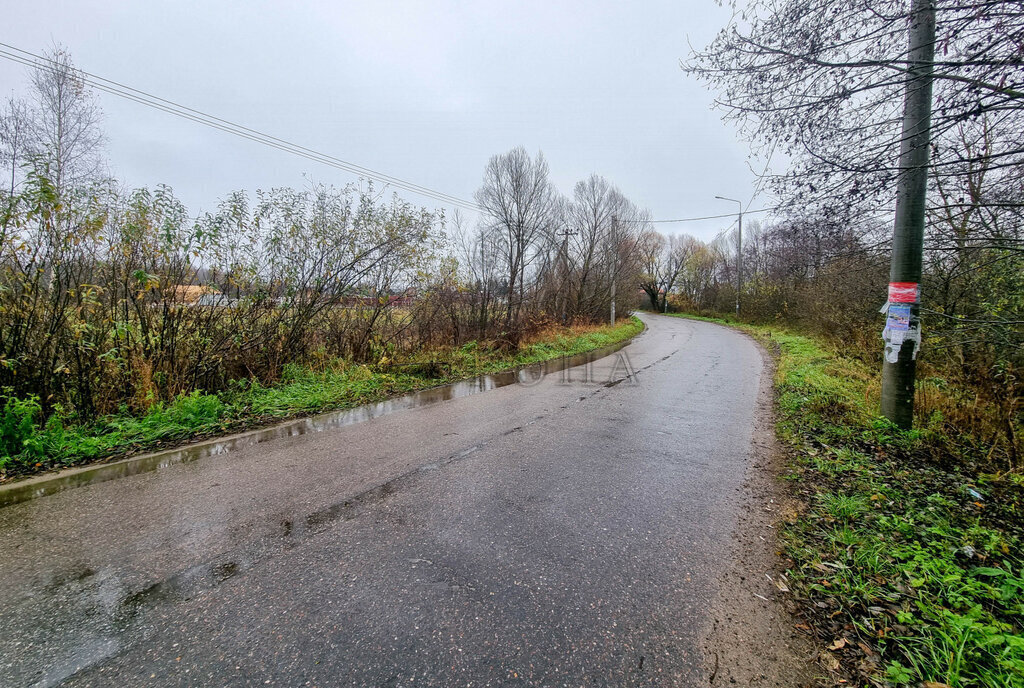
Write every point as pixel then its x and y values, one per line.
pixel 739 252
pixel 903 321
pixel 615 260
pixel 613 300
pixel 565 233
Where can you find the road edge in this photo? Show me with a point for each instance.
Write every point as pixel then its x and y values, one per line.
pixel 45 484
pixel 752 638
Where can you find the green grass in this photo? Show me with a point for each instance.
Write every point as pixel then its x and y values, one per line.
pixel 900 546
pixel 28 446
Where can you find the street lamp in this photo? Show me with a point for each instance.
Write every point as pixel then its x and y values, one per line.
pixel 739 252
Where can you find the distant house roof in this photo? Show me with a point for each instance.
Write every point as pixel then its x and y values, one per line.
pixel 190 293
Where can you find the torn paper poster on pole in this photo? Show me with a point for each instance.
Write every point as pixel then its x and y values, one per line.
pixel 898 317
pixel 902 323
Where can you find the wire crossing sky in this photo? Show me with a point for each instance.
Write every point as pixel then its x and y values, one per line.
pixel 338 91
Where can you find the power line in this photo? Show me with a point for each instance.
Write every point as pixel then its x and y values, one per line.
pixel 149 100
pixel 723 232
pixel 697 219
pixel 183 111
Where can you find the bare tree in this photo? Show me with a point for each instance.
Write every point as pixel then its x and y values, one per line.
pixel 15 140
pixel 591 213
pixel 822 81
pixel 66 135
pixel 663 260
pixel 605 228
pixel 521 206
pixel 652 247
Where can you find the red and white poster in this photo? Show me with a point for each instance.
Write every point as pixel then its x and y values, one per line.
pixel 904 292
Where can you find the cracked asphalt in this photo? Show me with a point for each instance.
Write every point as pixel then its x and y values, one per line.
pixel 568 532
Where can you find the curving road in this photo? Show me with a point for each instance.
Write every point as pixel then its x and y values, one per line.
pixel 567 532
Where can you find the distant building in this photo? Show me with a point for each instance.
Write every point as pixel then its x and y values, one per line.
pixel 217 299
pixel 189 293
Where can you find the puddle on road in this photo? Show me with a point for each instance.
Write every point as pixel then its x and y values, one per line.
pixel 90 475
pixel 110 617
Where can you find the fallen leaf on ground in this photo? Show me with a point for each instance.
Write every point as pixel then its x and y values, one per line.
pixel 866 650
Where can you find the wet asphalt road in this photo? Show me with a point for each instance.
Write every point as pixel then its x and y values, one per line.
pixel 563 533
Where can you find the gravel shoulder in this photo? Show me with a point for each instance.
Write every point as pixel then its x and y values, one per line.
pixel 752 639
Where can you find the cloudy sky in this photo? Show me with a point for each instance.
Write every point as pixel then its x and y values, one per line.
pixel 424 91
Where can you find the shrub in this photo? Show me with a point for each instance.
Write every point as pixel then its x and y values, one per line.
pixel 18 431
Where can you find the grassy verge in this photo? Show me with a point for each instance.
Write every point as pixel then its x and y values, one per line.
pixel 905 558
pixel 28 447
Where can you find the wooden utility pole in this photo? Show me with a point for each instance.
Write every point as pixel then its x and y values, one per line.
pixel 902 332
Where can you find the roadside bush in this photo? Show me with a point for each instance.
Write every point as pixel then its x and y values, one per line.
pixel 113 301
pixel 18 427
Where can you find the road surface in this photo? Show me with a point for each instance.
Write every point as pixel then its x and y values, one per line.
pixel 569 532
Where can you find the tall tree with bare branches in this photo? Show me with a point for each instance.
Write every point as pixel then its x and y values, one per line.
pixel 521 206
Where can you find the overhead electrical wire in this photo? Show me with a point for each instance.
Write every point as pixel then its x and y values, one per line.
pixel 112 87
pixel 185 112
pixel 706 217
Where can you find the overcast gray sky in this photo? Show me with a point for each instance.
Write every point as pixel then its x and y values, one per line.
pixel 422 91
